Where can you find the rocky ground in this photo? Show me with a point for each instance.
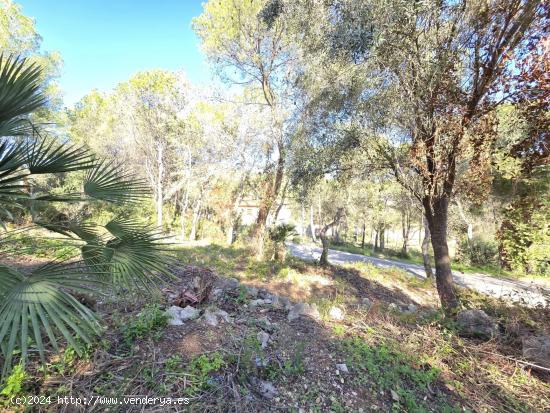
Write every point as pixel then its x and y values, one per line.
pixel 240 336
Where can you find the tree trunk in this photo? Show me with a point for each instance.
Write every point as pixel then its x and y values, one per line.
pixel 323 261
pixel 302 219
pixel 375 239
pixel 281 204
pixel 425 246
pixel 363 235
pixel 406 227
pixel 272 190
pixel 312 224
pixel 183 210
pixel 382 237
pixel 196 216
pixel 159 191
pixel 437 221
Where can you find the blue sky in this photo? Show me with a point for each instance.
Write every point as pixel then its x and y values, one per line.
pixel 104 42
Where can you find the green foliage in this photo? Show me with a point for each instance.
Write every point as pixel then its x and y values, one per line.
pixel 200 369
pixel 282 232
pixel 149 322
pixel 391 370
pixel 15 382
pixel 477 252
pixel 40 303
pixel 524 237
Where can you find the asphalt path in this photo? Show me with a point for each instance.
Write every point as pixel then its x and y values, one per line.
pixel 526 293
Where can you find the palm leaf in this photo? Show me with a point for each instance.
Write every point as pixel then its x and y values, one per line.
pixel 108 182
pixel 20 94
pixel 41 300
pixel 135 255
pixel 48 156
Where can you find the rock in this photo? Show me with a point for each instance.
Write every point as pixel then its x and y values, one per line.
pixel 342 367
pixel 232 283
pixel 263 338
pixel 174 316
pixel 285 302
pixel 263 293
pixel 257 302
pixel 189 313
pixel 366 302
pixel 394 395
pixel 537 349
pixel 306 309
pixel 177 315
pixel 197 283
pixel 336 313
pixel 216 293
pixel 210 318
pixel 175 322
pixel 393 307
pixel 276 301
pixel 252 291
pixel 411 308
pixel 476 323
pixel 266 389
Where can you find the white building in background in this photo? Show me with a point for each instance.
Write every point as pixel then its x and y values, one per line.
pixel 248 209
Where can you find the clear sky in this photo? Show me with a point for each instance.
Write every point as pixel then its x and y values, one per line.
pixel 104 42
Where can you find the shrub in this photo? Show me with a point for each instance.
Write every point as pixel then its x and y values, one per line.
pixel 477 252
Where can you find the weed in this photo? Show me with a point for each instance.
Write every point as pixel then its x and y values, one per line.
pixel 15 382
pixel 151 320
pixel 295 365
pixel 392 370
pixel 200 369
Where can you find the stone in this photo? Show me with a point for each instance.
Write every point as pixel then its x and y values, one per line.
pixel 257 302
pixel 232 283
pixel 266 389
pixel 476 323
pixel 537 349
pixel 263 293
pixel 336 313
pixel 189 313
pixel 174 318
pixel 342 367
pixel 210 318
pixel 216 293
pixel 263 338
pixel 224 315
pixel 276 301
pixel 252 291
pixel 305 309
pixel 393 307
pixel 366 302
pixel 394 395
pixel 411 308
pixel 285 301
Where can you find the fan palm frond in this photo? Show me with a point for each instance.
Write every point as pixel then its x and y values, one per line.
pixel 20 93
pixel 40 302
pixel 108 181
pixel 135 255
pixel 49 156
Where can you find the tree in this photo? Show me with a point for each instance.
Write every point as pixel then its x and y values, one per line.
pixel 18 36
pixel 339 214
pixel 121 252
pixel 249 47
pixel 436 67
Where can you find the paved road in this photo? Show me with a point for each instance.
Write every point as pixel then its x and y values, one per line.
pixel 527 293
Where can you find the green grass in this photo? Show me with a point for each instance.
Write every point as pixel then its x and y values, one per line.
pixel 415 257
pixel 394 371
pixel 149 322
pixel 35 243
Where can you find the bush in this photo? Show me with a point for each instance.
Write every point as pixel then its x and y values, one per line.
pixel 477 252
